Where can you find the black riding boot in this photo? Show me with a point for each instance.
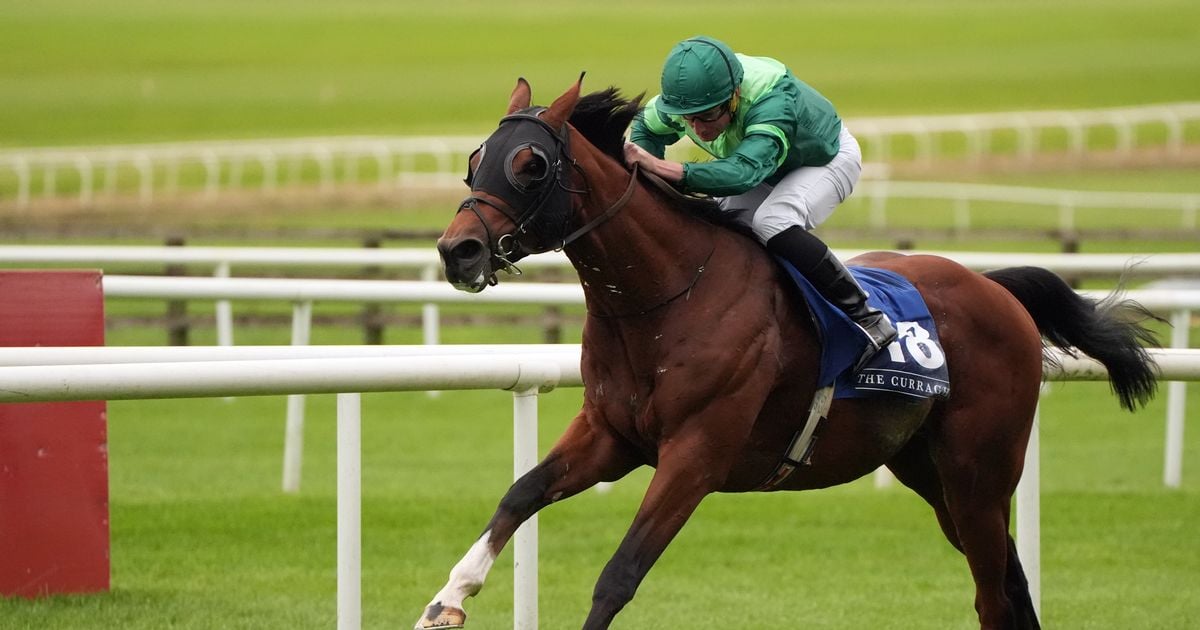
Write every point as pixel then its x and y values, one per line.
pixel 812 258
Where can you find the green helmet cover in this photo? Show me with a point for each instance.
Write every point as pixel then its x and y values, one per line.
pixel 699 74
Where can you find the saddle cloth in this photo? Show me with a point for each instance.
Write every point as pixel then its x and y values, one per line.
pixel 914 364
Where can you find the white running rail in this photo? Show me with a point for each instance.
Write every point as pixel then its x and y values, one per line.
pixel 1177 304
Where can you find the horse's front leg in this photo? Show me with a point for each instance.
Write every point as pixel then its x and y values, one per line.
pixel 687 471
pixel 585 455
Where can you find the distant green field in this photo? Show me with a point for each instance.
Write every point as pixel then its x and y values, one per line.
pixel 82 72
pixel 77 72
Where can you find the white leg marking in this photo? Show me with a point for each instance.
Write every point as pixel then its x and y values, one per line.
pixel 466 578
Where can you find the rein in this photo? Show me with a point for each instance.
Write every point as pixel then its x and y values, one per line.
pixel 608 214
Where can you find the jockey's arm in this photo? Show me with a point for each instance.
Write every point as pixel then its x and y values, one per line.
pixel 754 160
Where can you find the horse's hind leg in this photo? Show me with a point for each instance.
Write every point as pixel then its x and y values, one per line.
pixel 1017 587
pixel 979 474
pixel 915 467
pixel 584 455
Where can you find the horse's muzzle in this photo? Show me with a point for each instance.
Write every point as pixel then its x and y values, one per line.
pixel 466 262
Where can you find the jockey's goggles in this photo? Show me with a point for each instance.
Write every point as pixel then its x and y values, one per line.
pixel 708 116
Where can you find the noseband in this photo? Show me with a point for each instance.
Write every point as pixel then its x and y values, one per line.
pixel 542 207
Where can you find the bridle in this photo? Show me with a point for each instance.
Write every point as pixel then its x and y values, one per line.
pixel 541 207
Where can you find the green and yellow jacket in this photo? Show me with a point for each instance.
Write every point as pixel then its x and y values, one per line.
pixel 780 125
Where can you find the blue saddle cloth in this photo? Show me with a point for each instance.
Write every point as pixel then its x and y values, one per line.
pixel 914 364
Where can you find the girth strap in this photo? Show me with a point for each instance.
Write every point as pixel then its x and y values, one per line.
pixel 800 450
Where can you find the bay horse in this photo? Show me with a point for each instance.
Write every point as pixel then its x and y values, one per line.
pixel 700 360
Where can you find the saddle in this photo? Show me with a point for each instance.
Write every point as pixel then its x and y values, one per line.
pixel 914 364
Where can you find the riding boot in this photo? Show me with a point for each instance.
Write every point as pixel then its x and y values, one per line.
pixel 813 259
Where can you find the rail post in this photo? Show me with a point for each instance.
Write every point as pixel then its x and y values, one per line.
pixel 534 378
pixel 349 511
pixel 372 316
pixel 1176 399
pixel 1029 514
pixel 224 310
pixel 177 318
pixel 1070 245
pixel 293 435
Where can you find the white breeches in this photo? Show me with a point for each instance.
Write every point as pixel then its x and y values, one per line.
pixel 804 197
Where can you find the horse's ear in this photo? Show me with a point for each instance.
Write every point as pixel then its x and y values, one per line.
pixel 521 96
pixel 564 105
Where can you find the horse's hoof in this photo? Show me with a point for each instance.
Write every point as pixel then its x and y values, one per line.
pixel 438 616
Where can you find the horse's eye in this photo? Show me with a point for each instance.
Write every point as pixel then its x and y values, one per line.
pixel 537 168
pixel 534 171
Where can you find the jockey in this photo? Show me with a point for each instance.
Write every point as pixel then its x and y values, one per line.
pixel 784 160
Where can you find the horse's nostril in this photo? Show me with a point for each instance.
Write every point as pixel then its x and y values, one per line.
pixel 467 250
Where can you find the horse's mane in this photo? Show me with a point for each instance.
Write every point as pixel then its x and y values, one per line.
pixel 602 117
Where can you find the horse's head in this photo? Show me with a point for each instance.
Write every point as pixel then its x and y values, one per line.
pixel 521 197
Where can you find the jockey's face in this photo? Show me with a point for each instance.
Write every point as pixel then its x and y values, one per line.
pixel 710 123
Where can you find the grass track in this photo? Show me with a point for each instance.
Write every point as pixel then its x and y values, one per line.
pixel 202 537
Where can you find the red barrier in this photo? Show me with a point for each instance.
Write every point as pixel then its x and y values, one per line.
pixel 53 456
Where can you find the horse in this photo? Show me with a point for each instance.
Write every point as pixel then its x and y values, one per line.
pixel 700 360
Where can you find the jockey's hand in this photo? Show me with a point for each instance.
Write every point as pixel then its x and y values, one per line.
pixel 636 155
pixel 670 171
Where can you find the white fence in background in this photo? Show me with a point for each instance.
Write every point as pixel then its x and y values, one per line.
pixel 158 169
pixel 396 163
pixel 525 374
pixel 1067 202
pixel 980 130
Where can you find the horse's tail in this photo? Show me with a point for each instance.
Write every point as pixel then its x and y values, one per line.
pixel 1108 330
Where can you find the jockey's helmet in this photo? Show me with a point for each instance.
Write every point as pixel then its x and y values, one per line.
pixel 700 73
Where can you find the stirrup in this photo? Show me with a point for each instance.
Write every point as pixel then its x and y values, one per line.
pixel 878 327
pixel 880 333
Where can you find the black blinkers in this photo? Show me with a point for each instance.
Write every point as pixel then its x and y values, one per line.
pixel 535 193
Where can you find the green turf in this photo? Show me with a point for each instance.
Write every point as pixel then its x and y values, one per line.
pixel 202 537
pixel 81 72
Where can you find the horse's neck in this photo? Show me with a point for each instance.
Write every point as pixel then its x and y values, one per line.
pixel 644 255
